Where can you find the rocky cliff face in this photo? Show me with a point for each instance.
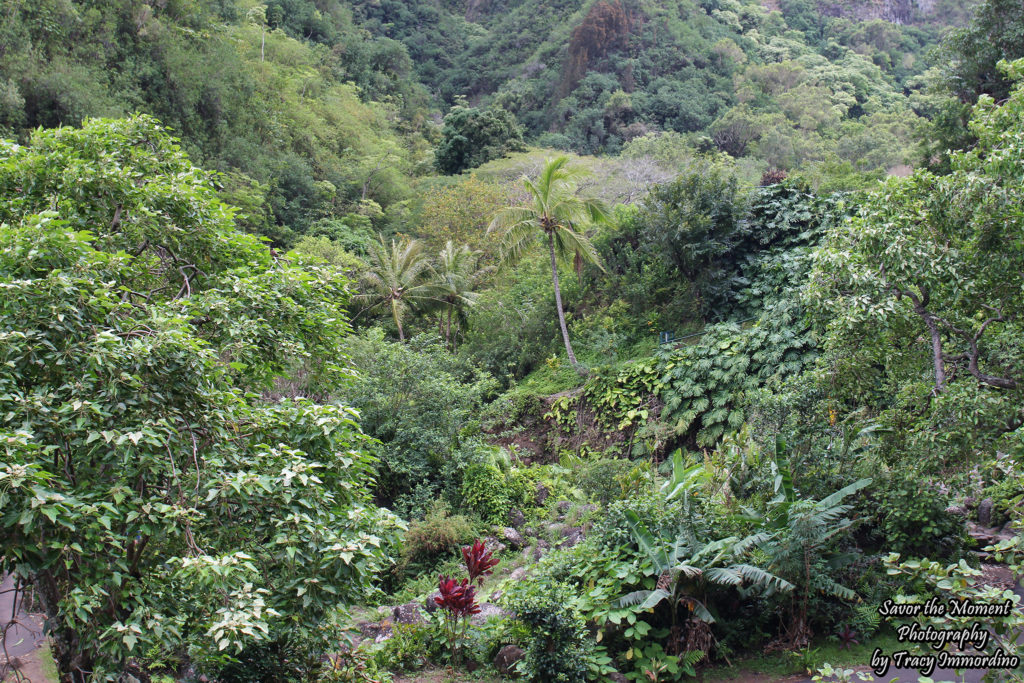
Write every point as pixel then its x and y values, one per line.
pixel 894 11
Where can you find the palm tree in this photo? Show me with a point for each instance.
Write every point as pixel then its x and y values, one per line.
pixel 556 213
pixel 456 277
pixel 397 277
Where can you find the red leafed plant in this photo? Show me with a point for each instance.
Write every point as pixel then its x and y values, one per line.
pixel 458 598
pixel 479 561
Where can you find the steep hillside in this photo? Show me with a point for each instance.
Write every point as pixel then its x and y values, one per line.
pixel 790 83
pixel 308 115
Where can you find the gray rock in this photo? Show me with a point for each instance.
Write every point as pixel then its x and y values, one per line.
pixel 958 510
pixel 375 630
pixel 573 535
pixel 516 518
pixel 985 512
pixel 517 575
pixel 493 544
pixel 487 610
pixel 987 535
pixel 539 550
pixel 541 494
pixel 408 613
pixel 430 604
pixel 617 677
pixel 506 659
pixel 513 537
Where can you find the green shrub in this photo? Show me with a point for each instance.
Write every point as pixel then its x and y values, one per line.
pixel 408 649
pixel 557 645
pixel 912 519
pixel 486 491
pixel 607 479
pixel 423 407
pixel 435 535
pixel 1006 500
pixel 261 661
pixel 613 530
pixel 524 483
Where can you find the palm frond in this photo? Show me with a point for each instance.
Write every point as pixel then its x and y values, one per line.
pixel 723 576
pixel 569 241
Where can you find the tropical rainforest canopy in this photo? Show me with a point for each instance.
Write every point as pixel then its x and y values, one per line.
pixel 575 340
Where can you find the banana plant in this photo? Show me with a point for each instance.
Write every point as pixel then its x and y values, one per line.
pixel 797 532
pixel 688 568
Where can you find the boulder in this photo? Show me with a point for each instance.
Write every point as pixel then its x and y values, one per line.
pixel 541 494
pixel 985 512
pixel 487 610
pixel 513 538
pixel 493 544
pixel 572 535
pixel 617 677
pixel 506 659
pixel 539 550
pixel 987 535
pixel 430 604
pixel 516 518
pixel 958 510
pixel 517 575
pixel 375 630
pixel 408 613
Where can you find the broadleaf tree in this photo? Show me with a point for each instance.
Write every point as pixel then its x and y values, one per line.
pixel 936 258
pixel 152 491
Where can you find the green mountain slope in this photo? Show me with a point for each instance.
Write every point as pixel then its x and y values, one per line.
pixel 308 114
pixel 790 83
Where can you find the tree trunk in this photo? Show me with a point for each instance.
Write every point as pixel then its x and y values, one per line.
pixel 937 360
pixel 448 328
pixel 921 308
pixel 558 300
pixel 398 320
pixel 73 664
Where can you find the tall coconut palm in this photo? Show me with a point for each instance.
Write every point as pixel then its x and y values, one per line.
pixel 456 276
pixel 397 277
pixel 556 214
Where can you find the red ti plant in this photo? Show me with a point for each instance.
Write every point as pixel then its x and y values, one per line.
pixel 479 561
pixel 458 598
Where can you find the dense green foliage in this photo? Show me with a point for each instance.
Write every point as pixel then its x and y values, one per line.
pixel 807 83
pixel 755 356
pixel 137 322
pixel 291 98
pixel 423 409
pixel 472 137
